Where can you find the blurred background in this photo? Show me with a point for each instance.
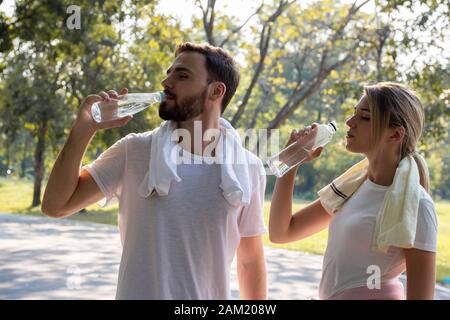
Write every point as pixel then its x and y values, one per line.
pixel 301 62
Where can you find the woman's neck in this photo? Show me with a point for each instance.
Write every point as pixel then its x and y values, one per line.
pixel 382 167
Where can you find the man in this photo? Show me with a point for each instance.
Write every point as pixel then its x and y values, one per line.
pixel 177 245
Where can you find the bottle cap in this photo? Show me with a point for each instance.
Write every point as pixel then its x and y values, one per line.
pixel 162 96
pixel 333 125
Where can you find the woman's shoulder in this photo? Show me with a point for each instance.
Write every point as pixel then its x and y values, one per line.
pixel 427 210
pixel 425 198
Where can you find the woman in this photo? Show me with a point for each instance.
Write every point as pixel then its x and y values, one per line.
pixel 369 211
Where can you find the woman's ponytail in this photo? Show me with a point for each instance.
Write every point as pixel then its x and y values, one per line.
pixel 423 171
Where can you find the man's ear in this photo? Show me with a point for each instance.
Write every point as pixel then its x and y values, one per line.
pixel 218 90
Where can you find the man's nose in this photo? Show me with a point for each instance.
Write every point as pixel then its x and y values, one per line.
pixel 166 83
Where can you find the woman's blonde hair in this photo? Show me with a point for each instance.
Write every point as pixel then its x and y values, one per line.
pixel 393 105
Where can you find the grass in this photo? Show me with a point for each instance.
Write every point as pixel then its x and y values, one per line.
pixel 315 244
pixel 16 196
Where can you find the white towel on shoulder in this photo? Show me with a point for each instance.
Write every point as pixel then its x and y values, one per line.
pixel 230 154
pixel 397 220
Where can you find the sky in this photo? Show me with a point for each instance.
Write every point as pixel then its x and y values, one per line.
pixel 184 9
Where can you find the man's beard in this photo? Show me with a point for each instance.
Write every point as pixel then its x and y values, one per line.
pixel 186 109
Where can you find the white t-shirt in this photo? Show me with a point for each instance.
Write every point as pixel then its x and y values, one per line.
pixel 178 246
pixel 349 253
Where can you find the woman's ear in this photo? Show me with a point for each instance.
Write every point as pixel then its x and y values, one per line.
pixel 397 134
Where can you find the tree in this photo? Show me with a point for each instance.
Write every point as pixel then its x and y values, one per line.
pixel 49 69
pixel 290 23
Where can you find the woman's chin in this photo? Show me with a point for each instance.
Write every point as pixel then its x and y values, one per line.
pixel 348 147
pixel 354 149
pixel 351 148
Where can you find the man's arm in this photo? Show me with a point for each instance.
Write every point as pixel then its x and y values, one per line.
pixel 68 190
pixel 251 269
pixel 65 176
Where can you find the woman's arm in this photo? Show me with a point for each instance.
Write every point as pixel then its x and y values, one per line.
pixel 420 274
pixel 283 227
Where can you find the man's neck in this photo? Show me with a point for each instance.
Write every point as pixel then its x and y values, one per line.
pixel 196 128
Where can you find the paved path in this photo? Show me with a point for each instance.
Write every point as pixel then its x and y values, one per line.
pixel 42 258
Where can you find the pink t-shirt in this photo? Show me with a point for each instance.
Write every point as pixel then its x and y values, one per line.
pixel 178 246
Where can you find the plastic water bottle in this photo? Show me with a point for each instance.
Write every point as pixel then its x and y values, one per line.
pixel 296 153
pixel 126 105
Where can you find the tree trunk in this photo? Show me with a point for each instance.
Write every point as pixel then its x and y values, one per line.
pixel 8 159
pixel 24 158
pixel 39 163
pixel 264 47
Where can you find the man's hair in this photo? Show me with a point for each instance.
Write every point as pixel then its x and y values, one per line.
pixel 220 66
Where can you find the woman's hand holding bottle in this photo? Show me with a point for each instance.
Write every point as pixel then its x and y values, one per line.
pixel 304 136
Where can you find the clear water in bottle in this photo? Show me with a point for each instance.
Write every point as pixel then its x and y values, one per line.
pixel 298 151
pixel 128 104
